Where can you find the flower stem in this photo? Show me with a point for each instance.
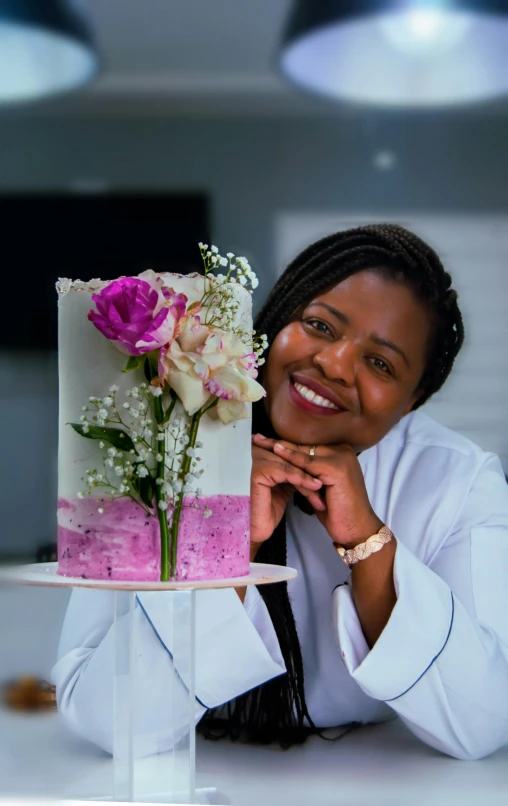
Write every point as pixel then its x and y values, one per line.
pixel 186 465
pixel 160 495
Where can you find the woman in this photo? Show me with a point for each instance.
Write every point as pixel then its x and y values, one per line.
pixel 363 328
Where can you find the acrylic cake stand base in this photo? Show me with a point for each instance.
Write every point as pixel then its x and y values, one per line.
pixel 167 776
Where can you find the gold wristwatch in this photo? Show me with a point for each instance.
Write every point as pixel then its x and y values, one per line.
pixel 363 550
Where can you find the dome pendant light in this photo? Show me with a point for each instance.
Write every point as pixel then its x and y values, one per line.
pixel 45 48
pixel 396 53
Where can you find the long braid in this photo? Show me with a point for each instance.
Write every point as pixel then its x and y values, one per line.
pixel 277 710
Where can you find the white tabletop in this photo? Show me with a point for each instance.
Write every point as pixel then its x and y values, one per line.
pixel 376 765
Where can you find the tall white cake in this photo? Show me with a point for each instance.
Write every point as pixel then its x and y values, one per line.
pixel 103 534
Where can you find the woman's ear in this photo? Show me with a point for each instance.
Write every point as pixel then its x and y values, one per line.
pixel 412 400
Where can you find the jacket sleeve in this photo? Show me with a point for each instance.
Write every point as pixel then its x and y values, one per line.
pixel 236 650
pixel 442 660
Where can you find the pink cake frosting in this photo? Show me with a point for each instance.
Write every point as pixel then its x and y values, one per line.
pixel 123 544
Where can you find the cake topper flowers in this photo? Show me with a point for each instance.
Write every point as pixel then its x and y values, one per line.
pixel 197 359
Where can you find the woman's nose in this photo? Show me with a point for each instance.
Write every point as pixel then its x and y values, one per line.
pixel 338 361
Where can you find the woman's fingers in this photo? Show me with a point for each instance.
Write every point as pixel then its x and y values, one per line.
pixel 270 471
pixel 296 457
pixel 285 473
pixel 313 498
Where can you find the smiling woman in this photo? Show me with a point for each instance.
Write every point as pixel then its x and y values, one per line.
pixel 397 526
pixel 364 328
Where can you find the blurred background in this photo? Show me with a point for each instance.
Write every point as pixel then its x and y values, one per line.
pixel 175 121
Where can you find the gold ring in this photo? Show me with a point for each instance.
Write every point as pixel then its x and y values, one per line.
pixel 312 450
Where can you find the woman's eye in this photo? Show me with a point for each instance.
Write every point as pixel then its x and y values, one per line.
pixel 384 366
pixel 317 324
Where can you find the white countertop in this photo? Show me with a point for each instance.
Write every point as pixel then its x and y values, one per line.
pixel 373 766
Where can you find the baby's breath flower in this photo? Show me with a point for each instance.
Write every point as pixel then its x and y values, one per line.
pixel 103 414
pixel 108 401
pixel 159 481
pixel 109 463
pixel 158 456
pixel 224 261
pixel 156 391
pixel 126 405
pixel 113 388
pixel 207 513
pixel 100 510
pixel 84 408
pixel 119 470
pixel 163 505
pixel 83 418
pixel 85 429
pixel 80 494
pixel 142 471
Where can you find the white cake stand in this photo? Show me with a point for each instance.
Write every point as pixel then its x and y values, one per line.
pixel 150 766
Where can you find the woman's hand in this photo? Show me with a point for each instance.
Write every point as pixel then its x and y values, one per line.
pixel 347 514
pixel 273 481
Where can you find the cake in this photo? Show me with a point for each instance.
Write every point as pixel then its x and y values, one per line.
pixel 154 424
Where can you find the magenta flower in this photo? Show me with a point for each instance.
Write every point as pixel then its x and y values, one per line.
pixel 137 313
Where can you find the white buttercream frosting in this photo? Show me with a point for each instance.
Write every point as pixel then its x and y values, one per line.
pixel 89 364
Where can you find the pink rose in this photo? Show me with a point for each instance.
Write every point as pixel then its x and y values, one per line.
pixel 137 313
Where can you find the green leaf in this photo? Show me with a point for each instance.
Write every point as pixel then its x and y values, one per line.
pixel 169 410
pixel 150 369
pixel 147 491
pixel 134 362
pixel 144 488
pixel 115 436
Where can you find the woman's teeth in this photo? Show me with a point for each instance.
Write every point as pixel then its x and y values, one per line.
pixel 312 397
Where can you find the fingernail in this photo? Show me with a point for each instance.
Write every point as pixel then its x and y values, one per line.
pixel 282 447
pixel 260 436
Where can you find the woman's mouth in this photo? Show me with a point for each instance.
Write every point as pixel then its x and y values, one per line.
pixel 310 402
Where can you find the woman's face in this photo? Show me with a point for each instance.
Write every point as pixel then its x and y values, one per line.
pixel 332 378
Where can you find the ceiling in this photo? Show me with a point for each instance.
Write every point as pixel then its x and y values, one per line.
pixel 174 57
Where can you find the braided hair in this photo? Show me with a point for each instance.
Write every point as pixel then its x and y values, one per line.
pixel 277 710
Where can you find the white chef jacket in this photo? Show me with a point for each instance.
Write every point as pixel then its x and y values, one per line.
pixel 440 664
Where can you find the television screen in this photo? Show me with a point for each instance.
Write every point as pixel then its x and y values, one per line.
pixel 47 236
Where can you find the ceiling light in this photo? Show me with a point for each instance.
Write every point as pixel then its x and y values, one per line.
pixel 414 53
pixel 46 48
